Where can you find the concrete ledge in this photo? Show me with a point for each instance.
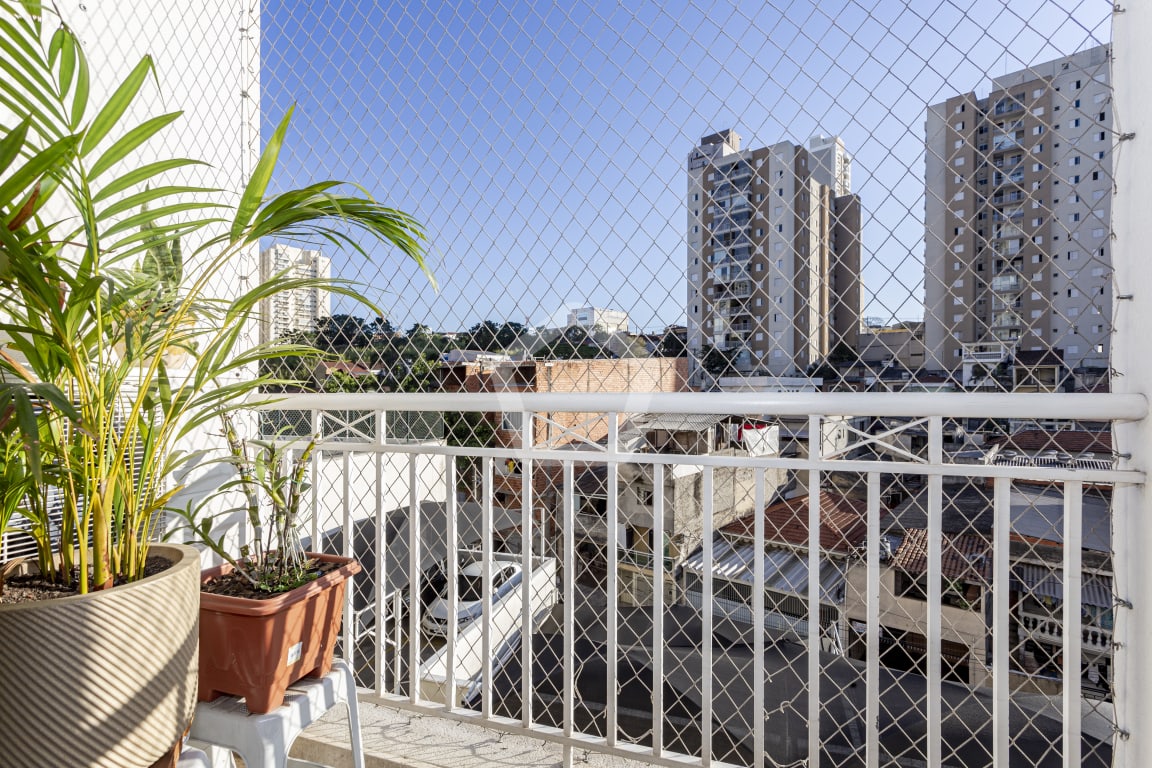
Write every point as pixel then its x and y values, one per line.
pixel 397 739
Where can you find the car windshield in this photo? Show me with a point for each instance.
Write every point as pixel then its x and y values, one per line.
pixel 470 588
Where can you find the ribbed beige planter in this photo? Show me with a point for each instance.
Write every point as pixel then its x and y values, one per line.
pixel 104 679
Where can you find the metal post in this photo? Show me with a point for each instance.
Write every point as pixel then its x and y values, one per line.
pixel 1132 273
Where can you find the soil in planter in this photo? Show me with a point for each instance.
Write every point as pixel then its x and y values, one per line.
pixel 32 587
pixel 235 585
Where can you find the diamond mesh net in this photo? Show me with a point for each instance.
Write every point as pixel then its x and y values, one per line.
pixel 791 196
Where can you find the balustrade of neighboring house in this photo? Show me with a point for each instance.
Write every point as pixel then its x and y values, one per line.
pixel 1050 630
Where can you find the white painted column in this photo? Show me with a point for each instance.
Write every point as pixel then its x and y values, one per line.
pixel 1132 363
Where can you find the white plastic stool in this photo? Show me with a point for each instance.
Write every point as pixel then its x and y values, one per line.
pixel 191 757
pixel 224 725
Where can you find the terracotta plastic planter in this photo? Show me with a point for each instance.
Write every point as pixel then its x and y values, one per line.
pixel 257 648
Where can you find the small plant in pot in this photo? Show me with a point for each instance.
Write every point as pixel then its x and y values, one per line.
pixel 270 616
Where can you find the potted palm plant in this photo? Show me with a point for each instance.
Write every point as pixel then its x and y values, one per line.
pixel 270 616
pixel 91 410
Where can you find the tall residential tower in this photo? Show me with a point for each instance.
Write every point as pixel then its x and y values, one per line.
pixel 773 254
pixel 1017 202
pixel 296 310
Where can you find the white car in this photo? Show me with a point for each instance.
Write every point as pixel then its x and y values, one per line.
pixel 469 595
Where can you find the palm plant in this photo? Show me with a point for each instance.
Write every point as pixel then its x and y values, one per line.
pixel 89 243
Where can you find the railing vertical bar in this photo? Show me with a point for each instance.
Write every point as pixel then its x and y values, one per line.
pixel 568 559
pixel 314 470
pixel 348 631
pixel 380 624
pixel 1001 704
pixel 872 672
pixel 486 559
pixel 452 558
pixel 613 580
pixel 526 501
pixel 758 621
pixel 1073 583
pixel 658 609
pixel 397 642
pixel 706 525
pixel 935 584
pixel 816 452
pixel 414 574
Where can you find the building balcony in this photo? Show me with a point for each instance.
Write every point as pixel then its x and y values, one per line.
pixel 584 613
pixel 1050 630
pixel 739 290
pixel 1006 283
pixel 727 275
pixel 1006 319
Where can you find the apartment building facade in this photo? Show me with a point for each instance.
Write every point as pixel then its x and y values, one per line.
pixel 1017 209
pixel 773 253
pixel 296 310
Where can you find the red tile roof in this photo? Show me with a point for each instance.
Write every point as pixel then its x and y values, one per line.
pixel 1071 441
pixel 964 555
pixel 843 522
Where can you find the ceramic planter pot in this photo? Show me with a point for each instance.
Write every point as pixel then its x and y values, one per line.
pixel 103 679
pixel 257 648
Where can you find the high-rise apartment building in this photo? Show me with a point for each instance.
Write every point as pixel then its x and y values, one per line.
pixel 773 253
pixel 1017 200
pixel 295 310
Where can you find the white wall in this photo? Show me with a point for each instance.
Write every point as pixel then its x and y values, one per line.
pixel 207 60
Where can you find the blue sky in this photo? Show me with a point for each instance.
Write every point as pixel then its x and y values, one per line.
pixel 544 147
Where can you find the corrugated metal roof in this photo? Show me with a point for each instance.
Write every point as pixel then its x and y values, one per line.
pixel 678 422
pixel 1044 582
pixel 785 571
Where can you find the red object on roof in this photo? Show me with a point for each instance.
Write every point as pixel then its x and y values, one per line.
pixel 843 522
pixel 963 556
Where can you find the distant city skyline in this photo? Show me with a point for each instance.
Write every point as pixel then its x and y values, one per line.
pixel 545 153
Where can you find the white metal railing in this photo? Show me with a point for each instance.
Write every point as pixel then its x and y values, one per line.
pixel 404 506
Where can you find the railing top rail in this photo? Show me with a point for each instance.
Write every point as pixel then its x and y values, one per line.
pixel 1084 407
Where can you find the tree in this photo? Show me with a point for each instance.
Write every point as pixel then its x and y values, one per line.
pixel 490 336
pixel 341 381
pixel 718 362
pixel 672 344
pixel 473 430
pixel 381 326
pixel 339 332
